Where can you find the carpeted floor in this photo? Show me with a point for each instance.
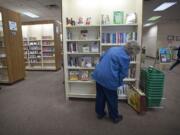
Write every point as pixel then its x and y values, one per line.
pixel 37 106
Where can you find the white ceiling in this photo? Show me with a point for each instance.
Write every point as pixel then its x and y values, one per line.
pixel 35 6
pixel 171 14
pixel 39 7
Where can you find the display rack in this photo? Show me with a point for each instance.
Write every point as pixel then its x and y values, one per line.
pixel 42 45
pixel 78 82
pixel 11 51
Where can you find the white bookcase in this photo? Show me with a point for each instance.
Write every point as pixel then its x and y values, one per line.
pixel 41 45
pixel 94 9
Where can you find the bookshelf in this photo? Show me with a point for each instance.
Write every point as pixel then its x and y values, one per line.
pixel 11 50
pixel 78 39
pixel 42 45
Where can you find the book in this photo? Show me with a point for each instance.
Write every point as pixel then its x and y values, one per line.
pixel 95 47
pixel 85 61
pixel 88 20
pixel 131 18
pixel 73 61
pixel 105 19
pixel 69 35
pixel 73 75
pixel 80 21
pixel 118 17
pixel 88 61
pixel 95 61
pixel 83 34
pixel 85 49
pixel 84 75
pixel 72 47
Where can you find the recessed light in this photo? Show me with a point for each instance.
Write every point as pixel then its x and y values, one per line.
pixel 154 18
pixel 164 6
pixel 148 24
pixel 31 15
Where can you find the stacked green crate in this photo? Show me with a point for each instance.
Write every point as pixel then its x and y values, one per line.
pixel 154 85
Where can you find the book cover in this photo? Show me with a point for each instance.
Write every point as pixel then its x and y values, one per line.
pixel 114 38
pixel 73 75
pixel 131 18
pixel 103 38
pixel 83 34
pixel 88 61
pixel 118 17
pixel 85 49
pixel 96 61
pixel 84 75
pixel 95 47
pixel 108 38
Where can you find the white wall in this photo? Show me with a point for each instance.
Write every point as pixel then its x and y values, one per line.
pixel 150 40
pixel 165 29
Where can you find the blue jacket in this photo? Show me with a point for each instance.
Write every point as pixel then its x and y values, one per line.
pixel 112 68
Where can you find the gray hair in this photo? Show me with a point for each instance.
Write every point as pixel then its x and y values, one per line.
pixel 132 47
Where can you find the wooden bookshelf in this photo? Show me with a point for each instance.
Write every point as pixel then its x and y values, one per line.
pixel 42 43
pixel 72 35
pixel 11 48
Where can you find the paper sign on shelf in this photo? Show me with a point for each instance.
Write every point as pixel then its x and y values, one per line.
pixel 12 26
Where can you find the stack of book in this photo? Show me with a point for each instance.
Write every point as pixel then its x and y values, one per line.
pixel 118 38
pixel 83 75
pixel 73 47
pixel 85 61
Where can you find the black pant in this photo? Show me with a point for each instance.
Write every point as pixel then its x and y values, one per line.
pixel 104 95
pixel 175 64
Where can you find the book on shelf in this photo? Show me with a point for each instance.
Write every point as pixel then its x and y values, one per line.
pixel 73 61
pixel 132 58
pixel 80 21
pixel 47 43
pixel 47 37
pixel 69 35
pixel 88 21
pixel 94 47
pixel 95 61
pixel 131 18
pixel 85 49
pixel 105 19
pixel 70 21
pixel 48 49
pixel 83 34
pixel 84 75
pixel 25 39
pixel 118 38
pixel 73 75
pixel 86 61
pixel 34 43
pixel 32 38
pixel 118 17
pixel 72 47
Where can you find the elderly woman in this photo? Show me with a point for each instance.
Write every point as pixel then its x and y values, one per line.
pixel 109 74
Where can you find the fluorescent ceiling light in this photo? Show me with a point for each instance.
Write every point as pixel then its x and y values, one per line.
pixel 31 15
pixel 148 24
pixel 164 6
pixel 154 18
